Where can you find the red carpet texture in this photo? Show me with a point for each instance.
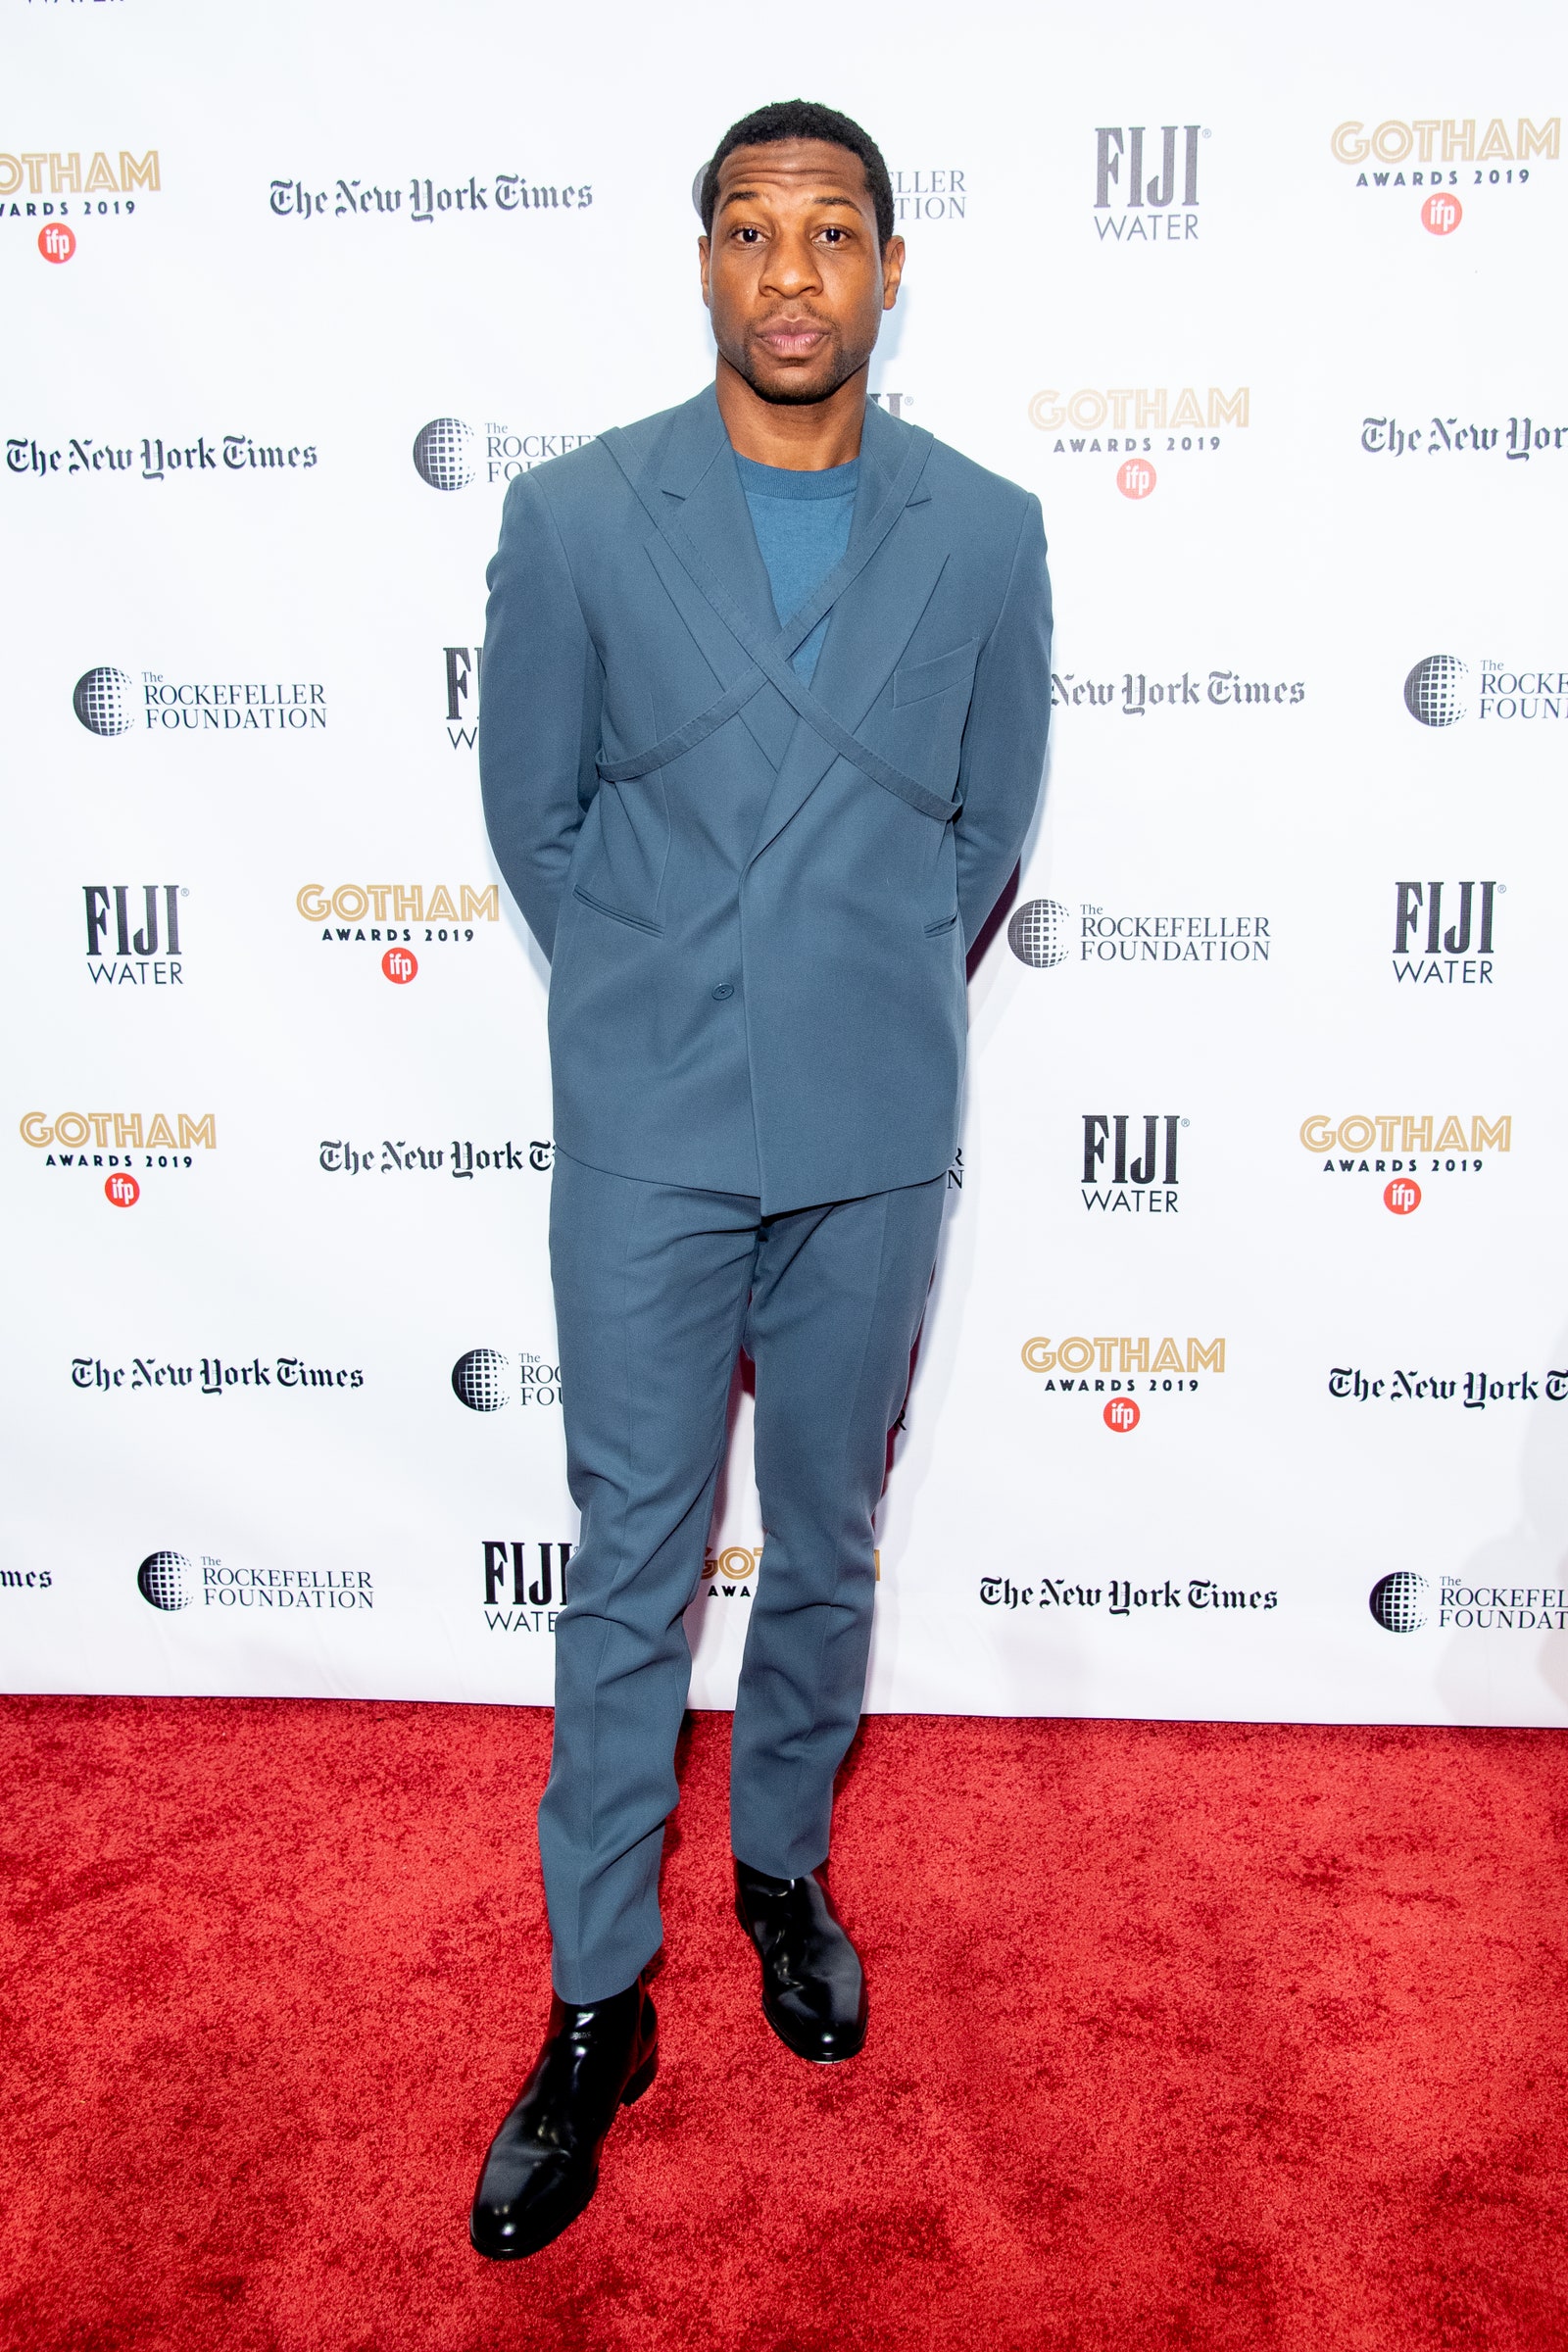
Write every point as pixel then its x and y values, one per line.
pixel 1181 2036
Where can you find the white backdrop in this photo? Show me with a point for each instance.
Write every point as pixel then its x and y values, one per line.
pixel 1298 421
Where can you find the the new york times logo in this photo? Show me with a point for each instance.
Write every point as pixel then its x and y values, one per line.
pixel 1121 1598
pixel 154 460
pixel 510 193
pixel 1132 208
pixel 135 939
pixel 1139 693
pixel 1456 952
pixel 524 1593
pixel 1141 1174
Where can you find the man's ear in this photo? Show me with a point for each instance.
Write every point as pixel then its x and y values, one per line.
pixel 704 251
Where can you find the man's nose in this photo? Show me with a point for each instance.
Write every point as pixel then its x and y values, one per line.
pixel 790 267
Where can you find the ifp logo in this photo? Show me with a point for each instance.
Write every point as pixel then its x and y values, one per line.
pixel 1401 1195
pixel 1121 1415
pixel 399 966
pixel 57 243
pixel 122 1191
pixel 1441 214
pixel 1137 479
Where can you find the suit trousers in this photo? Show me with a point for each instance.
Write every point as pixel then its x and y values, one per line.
pixel 657 1289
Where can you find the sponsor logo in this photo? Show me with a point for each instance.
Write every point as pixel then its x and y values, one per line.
pixel 153 459
pixel 1442 154
pixel 122 1191
pixel 43 184
pixel 1521 438
pixel 462 1158
pixel 1139 692
pixel 1399 1602
pixel 400 965
pixel 122 1140
pixel 163 1580
pixel 447 453
pixel 929 193
pixel 1121 1598
pixel 1142 1172
pixel 1438 691
pixel 1129 208
pixel 464 665
pixel 1402 1143
pixel 106 703
pixel 1441 214
pixel 425 201
pixel 484 1380
pixel 524 1585
pixel 1401 1195
pixel 25 1580
pixel 1143 425
pixel 1475 1391
pixel 57 243
pixel 213 1375
pixel 1043 933
pixel 1123 1366
pixel 167 1580
pixel 1456 952
pixel 730 1573
pixel 1121 1415
pixel 402 914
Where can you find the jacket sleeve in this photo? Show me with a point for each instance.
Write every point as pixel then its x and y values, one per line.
pixel 1005 736
pixel 539 705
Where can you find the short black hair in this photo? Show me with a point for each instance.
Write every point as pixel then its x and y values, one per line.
pixel 801 119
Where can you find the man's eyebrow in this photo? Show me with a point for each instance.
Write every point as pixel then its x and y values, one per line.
pixel 755 196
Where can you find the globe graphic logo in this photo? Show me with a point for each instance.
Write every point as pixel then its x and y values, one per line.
pixel 1433 692
pixel 1039 932
pixel 102 701
pixel 163 1579
pixel 479 1379
pixel 1398 1601
pixel 443 453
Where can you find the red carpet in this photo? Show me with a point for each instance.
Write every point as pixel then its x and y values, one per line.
pixel 1181 2036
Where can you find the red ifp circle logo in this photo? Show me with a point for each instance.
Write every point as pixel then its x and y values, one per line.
pixel 1401 1195
pixel 1136 478
pixel 1441 214
pixel 1121 1415
pixel 57 243
pixel 122 1191
pixel 399 966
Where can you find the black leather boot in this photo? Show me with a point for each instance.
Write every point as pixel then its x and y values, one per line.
pixel 543 2165
pixel 814 1986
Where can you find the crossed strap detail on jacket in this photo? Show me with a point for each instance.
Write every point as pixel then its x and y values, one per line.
pixel 770 656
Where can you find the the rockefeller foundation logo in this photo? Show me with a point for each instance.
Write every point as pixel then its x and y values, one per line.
pixel 487 1379
pixel 1403 1603
pixel 1441 689
pixel 108 702
pixel 1045 932
pixel 171 1581
pixel 449 455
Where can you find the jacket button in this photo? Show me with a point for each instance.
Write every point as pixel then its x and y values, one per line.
pixel 722 991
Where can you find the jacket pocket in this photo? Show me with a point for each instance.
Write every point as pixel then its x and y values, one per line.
pixel 946 924
pixel 616 915
pixel 917 679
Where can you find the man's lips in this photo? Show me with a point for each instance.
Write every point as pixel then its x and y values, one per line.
pixel 792 338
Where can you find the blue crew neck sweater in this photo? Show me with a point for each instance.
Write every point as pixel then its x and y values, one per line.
pixel 802 522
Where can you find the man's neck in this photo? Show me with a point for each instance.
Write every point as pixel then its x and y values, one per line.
pixel 804 439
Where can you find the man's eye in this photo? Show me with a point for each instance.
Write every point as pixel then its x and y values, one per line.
pixel 748 233
pixel 835 234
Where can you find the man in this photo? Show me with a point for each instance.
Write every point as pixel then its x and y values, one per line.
pixel 766 697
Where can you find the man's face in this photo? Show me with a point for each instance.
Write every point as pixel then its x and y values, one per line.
pixel 792 273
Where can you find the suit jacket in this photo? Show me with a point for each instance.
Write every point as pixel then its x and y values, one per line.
pixel 755 895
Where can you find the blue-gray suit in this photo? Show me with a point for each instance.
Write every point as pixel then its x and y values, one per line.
pixel 756 896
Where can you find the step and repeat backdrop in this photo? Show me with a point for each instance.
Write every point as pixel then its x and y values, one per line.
pixel 1244 1390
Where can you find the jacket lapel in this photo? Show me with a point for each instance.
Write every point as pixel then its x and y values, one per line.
pixel 699 486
